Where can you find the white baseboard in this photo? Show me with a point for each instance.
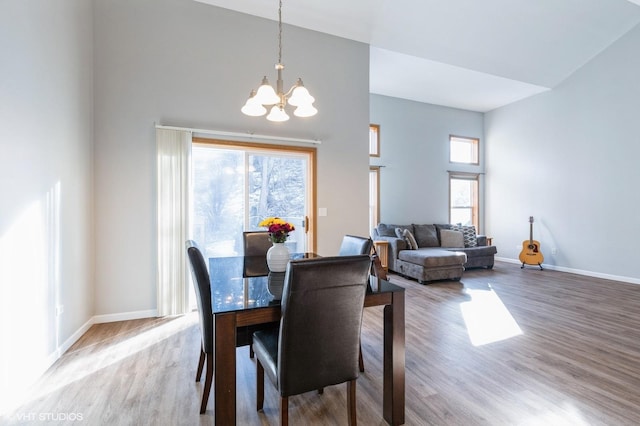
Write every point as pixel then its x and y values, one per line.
pixel 620 278
pixel 96 319
pixel 124 316
pixel 70 341
pixel 47 362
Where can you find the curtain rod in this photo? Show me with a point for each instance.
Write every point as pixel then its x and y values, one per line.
pixel 239 135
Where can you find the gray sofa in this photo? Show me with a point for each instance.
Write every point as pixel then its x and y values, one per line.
pixel 431 261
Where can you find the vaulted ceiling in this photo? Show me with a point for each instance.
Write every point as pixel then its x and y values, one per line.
pixel 469 54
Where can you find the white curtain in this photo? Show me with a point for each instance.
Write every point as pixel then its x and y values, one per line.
pixel 174 157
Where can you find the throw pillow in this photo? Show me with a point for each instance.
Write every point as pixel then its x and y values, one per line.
pixel 411 239
pixel 469 233
pixel 400 234
pixel 426 235
pixel 451 239
pixel 440 227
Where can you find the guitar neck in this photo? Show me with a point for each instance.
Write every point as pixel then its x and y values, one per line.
pixel 530 229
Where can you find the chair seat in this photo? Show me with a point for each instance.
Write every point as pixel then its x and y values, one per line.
pixel 265 346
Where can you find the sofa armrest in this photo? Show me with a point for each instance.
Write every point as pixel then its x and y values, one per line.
pixel 395 246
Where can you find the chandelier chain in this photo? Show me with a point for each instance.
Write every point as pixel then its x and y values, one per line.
pixel 280 33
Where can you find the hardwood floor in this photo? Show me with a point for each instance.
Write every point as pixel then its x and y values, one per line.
pixel 569 355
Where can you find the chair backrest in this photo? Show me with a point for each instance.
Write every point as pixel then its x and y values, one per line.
pixel 353 245
pixel 319 340
pixel 256 243
pixel 203 294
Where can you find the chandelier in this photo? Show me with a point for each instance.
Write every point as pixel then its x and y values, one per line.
pixel 298 96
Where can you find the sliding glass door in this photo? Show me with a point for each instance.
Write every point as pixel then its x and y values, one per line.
pixel 235 186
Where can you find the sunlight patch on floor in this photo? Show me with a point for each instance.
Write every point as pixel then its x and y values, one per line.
pixel 81 363
pixel 486 317
pixel 568 416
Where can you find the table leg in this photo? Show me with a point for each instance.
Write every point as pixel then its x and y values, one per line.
pixel 224 377
pixel 394 361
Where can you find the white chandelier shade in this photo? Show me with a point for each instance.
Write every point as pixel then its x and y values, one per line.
pixel 253 108
pixel 297 96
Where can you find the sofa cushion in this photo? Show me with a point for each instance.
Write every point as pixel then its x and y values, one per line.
pixel 433 257
pixel 400 233
pixel 410 239
pixel 451 239
pixel 469 233
pixel 426 235
pixel 440 227
pixel 387 230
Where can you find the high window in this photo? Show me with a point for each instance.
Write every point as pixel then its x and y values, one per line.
pixel 374 140
pixel 463 150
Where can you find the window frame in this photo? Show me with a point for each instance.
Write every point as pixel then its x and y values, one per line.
pixel 475 202
pixel 374 147
pixel 474 143
pixel 310 152
pixel 374 196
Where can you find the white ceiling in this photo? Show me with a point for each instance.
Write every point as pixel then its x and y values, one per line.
pixel 469 54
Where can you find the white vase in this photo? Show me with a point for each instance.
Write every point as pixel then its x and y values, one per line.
pixel 277 257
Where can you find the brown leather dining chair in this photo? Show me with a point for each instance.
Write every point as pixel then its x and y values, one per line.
pixel 202 286
pixel 318 339
pixel 353 245
pixel 256 243
pixel 203 296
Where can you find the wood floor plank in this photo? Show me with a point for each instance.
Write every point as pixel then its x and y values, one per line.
pixel 575 361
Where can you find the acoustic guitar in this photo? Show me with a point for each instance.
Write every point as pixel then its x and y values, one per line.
pixel 531 254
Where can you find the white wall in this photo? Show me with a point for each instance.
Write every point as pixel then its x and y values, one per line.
pixel 569 158
pixel 184 63
pixel 46 248
pixel 414 150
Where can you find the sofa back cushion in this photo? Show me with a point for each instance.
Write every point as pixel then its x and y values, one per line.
pixel 426 235
pixel 387 230
pixel 451 239
pixel 440 227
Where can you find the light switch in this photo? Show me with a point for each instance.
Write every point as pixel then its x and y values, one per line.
pixel 322 211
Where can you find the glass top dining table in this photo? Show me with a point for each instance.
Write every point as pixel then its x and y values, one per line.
pixel 244 293
pixel 243 282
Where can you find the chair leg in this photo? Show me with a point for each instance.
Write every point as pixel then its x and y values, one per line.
pixel 207 384
pixel 360 360
pixel 200 364
pixel 259 386
pixel 284 411
pixel 351 403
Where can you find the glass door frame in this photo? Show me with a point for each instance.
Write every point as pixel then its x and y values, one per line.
pixel 310 152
